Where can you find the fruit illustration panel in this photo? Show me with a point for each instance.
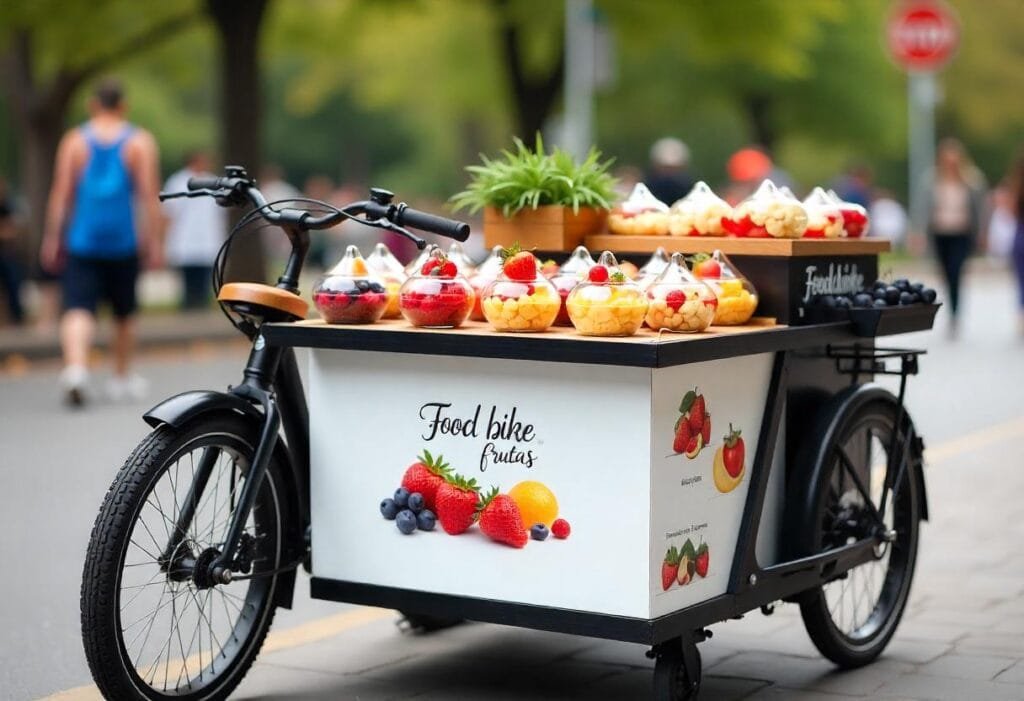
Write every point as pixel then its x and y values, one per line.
pixel 705 421
pixel 508 480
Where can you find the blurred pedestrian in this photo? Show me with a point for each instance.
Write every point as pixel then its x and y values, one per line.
pixel 1015 181
pixel 195 232
pixel 855 185
pixel 10 266
pixel 275 188
pixel 669 178
pixel 954 206
pixel 888 218
pixel 104 168
pixel 746 168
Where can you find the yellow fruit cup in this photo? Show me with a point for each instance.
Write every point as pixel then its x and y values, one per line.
pixel 509 305
pixel 737 301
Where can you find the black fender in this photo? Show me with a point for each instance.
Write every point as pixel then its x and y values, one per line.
pixel 811 453
pixel 183 408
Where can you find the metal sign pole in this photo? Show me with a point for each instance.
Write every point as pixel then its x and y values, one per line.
pixel 921 98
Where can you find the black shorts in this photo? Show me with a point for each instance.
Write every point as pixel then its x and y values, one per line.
pixel 87 281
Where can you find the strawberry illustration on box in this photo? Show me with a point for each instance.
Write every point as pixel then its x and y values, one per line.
pixel 692 429
pixel 683 565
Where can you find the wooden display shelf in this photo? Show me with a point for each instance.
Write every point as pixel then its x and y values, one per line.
pixel 737 246
pixel 646 348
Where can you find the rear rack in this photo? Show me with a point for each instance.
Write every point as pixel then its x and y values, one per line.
pixel 858 359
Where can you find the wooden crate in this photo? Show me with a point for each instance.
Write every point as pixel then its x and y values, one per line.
pixel 547 228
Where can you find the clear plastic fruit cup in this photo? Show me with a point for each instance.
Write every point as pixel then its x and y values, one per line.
pixel 607 303
pixel 572 271
pixel 486 273
pixel 462 261
pixel 389 269
pixel 699 213
pixel 768 213
pixel 435 297
pixel 654 267
pixel 824 218
pixel 640 214
pixel 737 298
pixel 678 301
pixel 855 218
pixel 349 293
pixel 513 305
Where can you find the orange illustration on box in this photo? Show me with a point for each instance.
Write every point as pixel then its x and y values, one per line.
pixel 433 493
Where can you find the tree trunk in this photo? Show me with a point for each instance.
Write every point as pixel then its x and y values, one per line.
pixel 534 97
pixel 238 26
pixel 758 107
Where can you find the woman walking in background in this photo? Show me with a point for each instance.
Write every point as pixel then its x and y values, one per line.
pixel 1015 183
pixel 954 216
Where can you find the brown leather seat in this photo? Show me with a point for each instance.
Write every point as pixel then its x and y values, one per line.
pixel 264 295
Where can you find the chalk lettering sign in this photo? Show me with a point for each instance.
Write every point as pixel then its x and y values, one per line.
pixel 839 279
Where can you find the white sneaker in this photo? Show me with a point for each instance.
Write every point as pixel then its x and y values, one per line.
pixel 122 388
pixel 73 380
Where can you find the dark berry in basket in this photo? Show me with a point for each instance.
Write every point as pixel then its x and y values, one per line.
pixel 389 509
pixel 878 294
pixel 862 299
pixel 903 284
pixel 880 304
pixel 928 295
pixel 426 520
pixel 406 521
pixel 880 285
pixel 906 298
pixel 892 295
pixel 827 301
pixel 917 286
pixel 843 302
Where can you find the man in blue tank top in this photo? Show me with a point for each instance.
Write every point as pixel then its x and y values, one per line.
pixel 102 219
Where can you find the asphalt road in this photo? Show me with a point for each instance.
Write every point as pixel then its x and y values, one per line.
pixel 56 464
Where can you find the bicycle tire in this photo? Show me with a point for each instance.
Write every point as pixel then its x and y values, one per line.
pixel 819 488
pixel 103 632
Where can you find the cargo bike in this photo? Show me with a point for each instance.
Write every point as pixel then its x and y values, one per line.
pixel 806 485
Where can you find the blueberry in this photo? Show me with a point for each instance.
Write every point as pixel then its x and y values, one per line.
pixel 892 295
pixel 539 532
pixel 827 301
pixel 402 497
pixel 916 286
pixel 862 299
pixel 880 285
pixel 880 304
pixel 878 293
pixel 406 521
pixel 903 284
pixel 389 509
pixel 843 302
pixel 416 503
pixel 915 297
pixel 906 298
pixel 426 520
pixel 376 287
pixel 928 295
pixel 363 285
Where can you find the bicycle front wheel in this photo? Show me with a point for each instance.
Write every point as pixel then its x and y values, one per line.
pixel 152 629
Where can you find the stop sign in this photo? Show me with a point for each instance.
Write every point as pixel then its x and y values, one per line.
pixel 922 34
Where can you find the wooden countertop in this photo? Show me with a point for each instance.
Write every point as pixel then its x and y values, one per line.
pixel 476 339
pixel 737 246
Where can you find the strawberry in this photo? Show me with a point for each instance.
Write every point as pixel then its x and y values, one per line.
pixel 519 265
pixel 425 476
pixel 598 273
pixel 500 519
pixel 674 299
pixel 456 504
pixel 705 430
pixel 670 567
pixel 448 269
pixel 431 263
pixel 702 560
pixel 682 435
pixel 692 446
pixel 697 412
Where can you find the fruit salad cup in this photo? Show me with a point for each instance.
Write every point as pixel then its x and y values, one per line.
pixel 641 214
pixel 855 217
pixel 824 219
pixel 607 303
pixel 737 298
pixel 349 293
pixel 521 299
pixel 768 213
pixel 390 271
pixel 436 297
pixel 573 271
pixel 463 262
pixel 700 213
pixel 485 274
pixel 678 301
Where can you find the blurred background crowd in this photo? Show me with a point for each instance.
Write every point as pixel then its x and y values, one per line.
pixel 325 98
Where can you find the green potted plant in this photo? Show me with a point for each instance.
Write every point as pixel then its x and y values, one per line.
pixel 542 200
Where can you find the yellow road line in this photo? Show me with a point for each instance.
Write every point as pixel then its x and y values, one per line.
pixel 324 628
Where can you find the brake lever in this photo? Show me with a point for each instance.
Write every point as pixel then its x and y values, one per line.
pixel 190 193
pixel 171 195
pixel 391 226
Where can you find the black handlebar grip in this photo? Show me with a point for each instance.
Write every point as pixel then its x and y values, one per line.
pixel 429 222
pixel 204 182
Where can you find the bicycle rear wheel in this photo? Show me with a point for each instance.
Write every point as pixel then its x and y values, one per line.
pixel 151 628
pixel 852 618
